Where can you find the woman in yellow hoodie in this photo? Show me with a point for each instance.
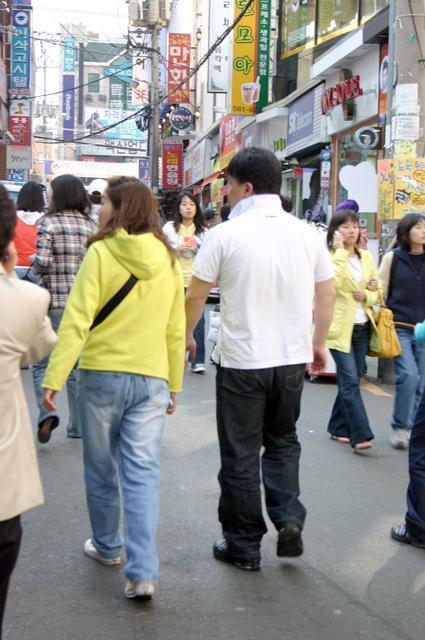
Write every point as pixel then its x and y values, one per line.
pixel 353 328
pixel 131 367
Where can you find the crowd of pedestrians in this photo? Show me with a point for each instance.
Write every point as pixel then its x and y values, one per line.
pixel 126 297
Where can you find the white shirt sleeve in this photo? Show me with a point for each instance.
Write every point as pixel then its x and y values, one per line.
pixel 207 263
pixel 324 268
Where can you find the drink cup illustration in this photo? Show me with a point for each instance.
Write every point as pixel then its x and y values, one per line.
pixel 250 92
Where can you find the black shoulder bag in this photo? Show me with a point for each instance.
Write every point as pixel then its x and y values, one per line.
pixel 113 303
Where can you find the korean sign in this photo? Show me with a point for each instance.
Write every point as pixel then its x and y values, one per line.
pixel 69 54
pixel 251 52
pixel 98 119
pixel 178 67
pixel 172 165
pixel 68 107
pixel 20 121
pixel 21 52
pixel 221 14
pixel 229 139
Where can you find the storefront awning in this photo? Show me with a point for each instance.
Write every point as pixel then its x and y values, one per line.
pixel 214 176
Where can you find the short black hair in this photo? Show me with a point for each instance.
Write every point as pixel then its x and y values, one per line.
pixel 287 204
pixel 258 166
pixel 31 197
pixel 404 228
pixel 69 194
pixel 7 220
pixel 337 220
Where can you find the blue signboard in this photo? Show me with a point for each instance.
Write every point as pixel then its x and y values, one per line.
pixel 20 74
pixel 301 118
pixel 70 49
pixel 98 119
pixel 68 107
pixel 123 73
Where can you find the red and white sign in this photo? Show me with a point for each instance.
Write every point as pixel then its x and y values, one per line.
pixel 19 127
pixel 344 91
pixel 172 165
pixel 178 68
pixel 229 139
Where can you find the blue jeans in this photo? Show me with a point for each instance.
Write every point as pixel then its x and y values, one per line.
pixel 349 418
pixel 199 335
pixel 410 379
pixel 415 517
pixel 38 373
pixel 122 421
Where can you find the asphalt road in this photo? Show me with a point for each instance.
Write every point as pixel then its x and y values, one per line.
pixel 352 583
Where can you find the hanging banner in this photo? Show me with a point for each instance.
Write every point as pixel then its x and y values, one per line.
pixel 20 57
pixel 68 107
pixel 70 49
pixel 251 53
pixel 220 17
pixel 383 80
pixel 172 165
pixel 98 119
pixel 229 140
pixel 178 68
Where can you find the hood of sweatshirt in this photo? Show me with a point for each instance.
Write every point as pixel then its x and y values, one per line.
pixel 143 255
pixel 29 217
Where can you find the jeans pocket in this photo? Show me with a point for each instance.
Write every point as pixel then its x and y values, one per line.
pixel 159 394
pixel 295 377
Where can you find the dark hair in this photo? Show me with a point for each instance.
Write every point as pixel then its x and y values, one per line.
pixel 287 204
pixel 258 166
pixel 199 220
pixel 337 220
pixel 405 226
pixel 225 212
pixel 7 220
pixel 69 194
pixel 31 197
pixel 135 210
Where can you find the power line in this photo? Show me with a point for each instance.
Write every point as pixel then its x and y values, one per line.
pixel 195 70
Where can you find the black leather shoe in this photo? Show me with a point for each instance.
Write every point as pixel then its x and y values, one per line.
pixel 401 535
pixel 289 541
pixel 221 552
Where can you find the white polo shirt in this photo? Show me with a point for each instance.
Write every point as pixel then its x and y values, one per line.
pixel 267 263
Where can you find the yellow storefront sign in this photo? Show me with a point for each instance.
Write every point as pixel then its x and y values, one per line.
pixel 245 87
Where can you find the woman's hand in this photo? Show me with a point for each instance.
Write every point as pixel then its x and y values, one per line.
pixel 373 285
pixel 173 403
pixel 49 399
pixel 10 259
pixel 360 296
pixel 338 241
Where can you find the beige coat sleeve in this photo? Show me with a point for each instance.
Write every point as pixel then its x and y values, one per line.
pixel 385 272
pixel 44 344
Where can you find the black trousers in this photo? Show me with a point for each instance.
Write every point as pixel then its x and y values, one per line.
pixel 10 541
pixel 258 408
pixel 415 517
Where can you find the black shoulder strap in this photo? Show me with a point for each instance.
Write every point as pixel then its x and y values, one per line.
pixel 392 274
pixel 114 301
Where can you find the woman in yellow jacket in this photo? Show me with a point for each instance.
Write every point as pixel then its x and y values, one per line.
pixel 130 363
pixel 353 328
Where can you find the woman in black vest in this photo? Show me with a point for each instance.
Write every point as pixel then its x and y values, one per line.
pixel 402 274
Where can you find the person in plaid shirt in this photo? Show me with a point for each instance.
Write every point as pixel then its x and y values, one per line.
pixel 62 236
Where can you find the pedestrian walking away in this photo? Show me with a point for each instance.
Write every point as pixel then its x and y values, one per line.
pixel 26 335
pixel 353 328
pixel 61 245
pixel 124 321
pixel 270 266
pixel 402 273
pixel 186 233
pixel 30 205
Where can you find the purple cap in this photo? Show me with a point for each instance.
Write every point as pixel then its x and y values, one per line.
pixel 348 205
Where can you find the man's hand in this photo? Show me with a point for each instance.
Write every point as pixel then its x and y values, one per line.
pixel 320 359
pixel 359 296
pixel 49 399
pixel 10 259
pixel 173 403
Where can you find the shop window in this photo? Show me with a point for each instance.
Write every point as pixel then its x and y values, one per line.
pixel 298 25
pixel 372 7
pixel 336 16
pixel 94 79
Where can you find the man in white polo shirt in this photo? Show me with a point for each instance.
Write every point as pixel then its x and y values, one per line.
pixel 272 270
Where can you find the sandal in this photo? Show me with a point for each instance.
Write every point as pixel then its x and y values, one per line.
pixel 362 446
pixel 45 429
pixel 341 439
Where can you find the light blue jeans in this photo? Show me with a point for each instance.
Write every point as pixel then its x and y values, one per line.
pixel 122 421
pixel 410 379
pixel 38 372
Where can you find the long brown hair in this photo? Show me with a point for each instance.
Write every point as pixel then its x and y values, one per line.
pixel 135 210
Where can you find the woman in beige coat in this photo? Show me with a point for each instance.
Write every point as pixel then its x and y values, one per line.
pixel 26 336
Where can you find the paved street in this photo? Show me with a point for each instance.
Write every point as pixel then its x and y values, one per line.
pixel 353 581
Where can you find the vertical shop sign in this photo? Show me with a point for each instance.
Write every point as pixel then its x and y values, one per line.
pixel 220 18
pixel 229 140
pixel 69 54
pixel 383 80
pixel 178 68
pixel 263 54
pixel 172 165
pixel 20 58
pixel 68 107
pixel 20 121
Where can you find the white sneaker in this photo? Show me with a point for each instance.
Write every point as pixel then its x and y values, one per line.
pixel 198 367
pixel 400 438
pixel 91 551
pixel 142 590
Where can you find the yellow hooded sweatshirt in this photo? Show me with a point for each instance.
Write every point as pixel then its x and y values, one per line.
pixel 145 334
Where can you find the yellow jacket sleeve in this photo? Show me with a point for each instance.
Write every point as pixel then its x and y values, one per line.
pixel 340 260
pixel 80 311
pixel 176 337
